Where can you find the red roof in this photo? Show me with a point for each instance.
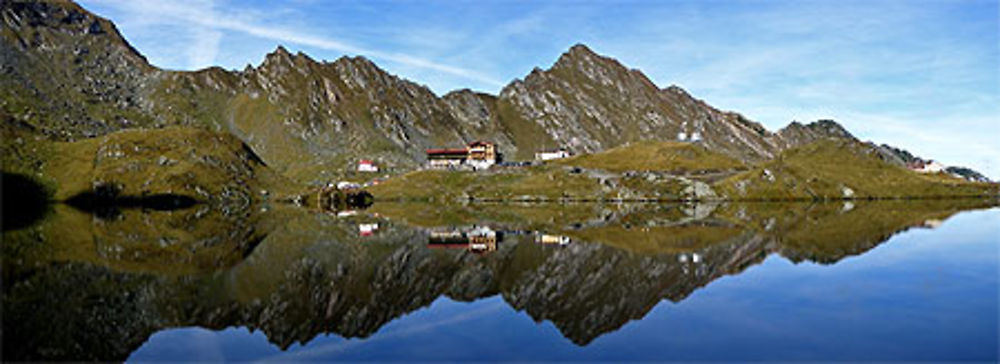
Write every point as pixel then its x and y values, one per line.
pixel 447 151
pixel 365 161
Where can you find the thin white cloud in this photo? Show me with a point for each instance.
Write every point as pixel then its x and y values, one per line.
pixel 204 49
pixel 199 16
pixel 204 46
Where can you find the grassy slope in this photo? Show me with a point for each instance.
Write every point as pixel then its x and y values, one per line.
pixel 215 168
pixel 823 169
pixel 538 182
pixel 828 169
pixel 554 181
pixel 655 156
pixel 178 160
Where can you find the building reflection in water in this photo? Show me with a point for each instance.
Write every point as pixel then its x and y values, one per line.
pixel 484 239
pixel 476 239
pixel 692 263
pixel 347 213
pixel 367 229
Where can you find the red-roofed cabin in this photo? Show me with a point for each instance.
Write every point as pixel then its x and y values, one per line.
pixel 366 165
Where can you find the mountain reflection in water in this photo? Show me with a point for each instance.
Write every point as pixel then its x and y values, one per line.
pixel 295 274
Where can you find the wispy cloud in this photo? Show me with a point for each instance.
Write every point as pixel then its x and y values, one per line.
pixel 203 51
pixel 920 77
pixel 205 17
pixel 205 40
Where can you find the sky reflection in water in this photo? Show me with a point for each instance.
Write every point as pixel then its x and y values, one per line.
pixel 922 295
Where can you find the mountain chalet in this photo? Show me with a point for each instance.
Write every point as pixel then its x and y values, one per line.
pixel 476 155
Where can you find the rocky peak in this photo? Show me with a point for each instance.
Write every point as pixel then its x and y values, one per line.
pixel 68 73
pixel 796 133
pixel 56 15
pixel 304 59
pixel 280 51
pixel 359 62
pixel 583 59
pixel 470 107
pixel 37 24
pixel 281 61
pixel 674 89
pixel 830 128
pixel 278 56
pixel 360 73
pixel 578 51
pixel 902 157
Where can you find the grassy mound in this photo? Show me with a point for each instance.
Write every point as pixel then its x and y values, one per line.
pixel 183 161
pixel 674 157
pixel 527 183
pixel 215 169
pixel 537 183
pixel 837 169
pixel 658 168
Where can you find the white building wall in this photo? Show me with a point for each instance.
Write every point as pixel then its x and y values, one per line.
pixel 544 156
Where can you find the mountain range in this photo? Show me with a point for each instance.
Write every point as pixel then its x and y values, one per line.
pixel 70 75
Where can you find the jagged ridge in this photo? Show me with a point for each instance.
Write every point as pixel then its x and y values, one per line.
pixel 68 74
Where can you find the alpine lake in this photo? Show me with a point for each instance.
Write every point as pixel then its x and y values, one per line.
pixel 844 280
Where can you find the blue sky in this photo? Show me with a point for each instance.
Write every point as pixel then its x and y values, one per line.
pixel 922 75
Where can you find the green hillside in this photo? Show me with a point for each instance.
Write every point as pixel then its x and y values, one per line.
pixel 639 171
pixel 533 183
pixel 837 169
pixel 207 166
pixel 647 155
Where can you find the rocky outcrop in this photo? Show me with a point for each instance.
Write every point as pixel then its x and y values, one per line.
pixel 903 158
pixel 589 103
pixel 67 73
pixel 798 134
pixel 967 173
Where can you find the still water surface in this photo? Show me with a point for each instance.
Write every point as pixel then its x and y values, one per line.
pixel 864 280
